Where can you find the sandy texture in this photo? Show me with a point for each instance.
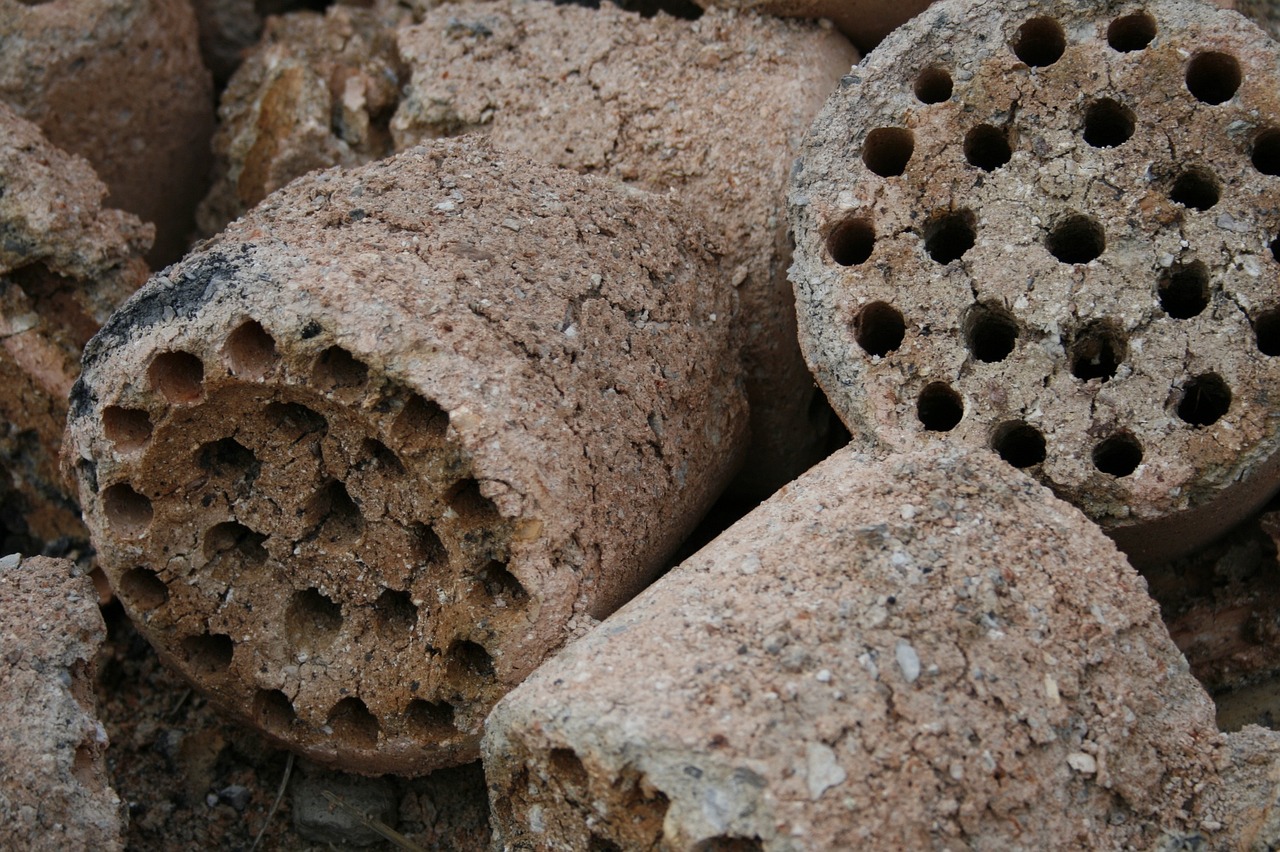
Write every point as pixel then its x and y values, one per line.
pixel 716 123
pixel 1265 13
pixel 54 790
pixel 65 263
pixel 1046 229
pixel 927 652
pixel 317 91
pixel 119 82
pixel 865 22
pixel 360 465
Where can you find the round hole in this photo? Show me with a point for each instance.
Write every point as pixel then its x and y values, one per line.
pixel 127 428
pixel 888 149
pixel 395 614
pixel 933 85
pixel 375 454
pixel 235 539
pixel 879 328
pixel 273 710
pixel 1040 42
pixel 987 147
pixel 939 408
pixel 250 352
pixel 127 511
pixel 292 422
pixel 1018 443
pixel 209 653
pixel 144 589
pixel 472 506
pixel 1274 245
pixel 948 237
pixel 1184 290
pixel 990 332
pixel 1131 32
pixel 1076 239
pixel 312 621
pixel 1097 351
pixel 228 458
pixel 1118 455
pixel 430 719
pixel 850 243
pixel 1266 328
pixel 177 376
pixel 419 425
pixel 1108 123
pixel 469 660
pixel 1213 77
pixel 1204 400
pixel 500 584
pixel 337 369
pixel 332 511
pixel 427 547
pixel 1195 188
pixel 567 767
pixel 1266 152
pixel 351 721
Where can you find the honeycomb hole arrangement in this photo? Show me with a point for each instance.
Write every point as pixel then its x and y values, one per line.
pixel 299 520
pixel 1052 230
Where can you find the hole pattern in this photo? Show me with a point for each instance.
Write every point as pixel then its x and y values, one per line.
pixel 430 719
pixel 1118 455
pixel 352 722
pixel 1266 330
pixel 1266 152
pixel 987 147
pixel 1076 239
pixel 469 659
pixel 227 458
pixel 949 237
pixel 933 85
pixel 337 369
pixel 990 332
pixel 177 376
pixel 939 408
pixel 273 710
pixel 128 428
pixel 1129 33
pixel 1197 189
pixel 128 512
pixel 421 425
pixel 209 653
pixel 233 540
pixel 1108 123
pixel 887 150
pixel 1098 351
pixel 250 351
pixel 312 620
pixel 396 614
pixel 1213 77
pixel 1184 292
pixel 879 328
pixel 1205 399
pixel 144 589
pixel 1020 444
pixel 567 767
pixel 851 242
pixel 1040 42
pixel 500 583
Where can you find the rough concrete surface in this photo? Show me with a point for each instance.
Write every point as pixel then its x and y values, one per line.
pixel 724 103
pixel 119 82
pixel 1048 228
pixel 54 788
pixel 359 465
pixel 65 263
pixel 925 652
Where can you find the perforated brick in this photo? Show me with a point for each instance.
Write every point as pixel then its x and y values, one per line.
pixel 1050 229
pixel 360 465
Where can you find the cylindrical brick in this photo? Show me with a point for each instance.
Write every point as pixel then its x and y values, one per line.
pixel 1049 228
pixel 65 263
pixel 120 83
pixel 357 467
pixel 925 652
pixel 716 122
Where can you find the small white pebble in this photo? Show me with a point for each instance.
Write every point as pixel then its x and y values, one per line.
pixel 908 512
pixel 908 660
pixel 1083 763
pixel 823 676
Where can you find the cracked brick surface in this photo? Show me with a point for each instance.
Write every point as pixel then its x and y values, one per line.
pixel 1051 229
pixel 120 83
pixel 357 467
pixel 724 103
pixel 65 263
pixel 54 792
pixel 925 652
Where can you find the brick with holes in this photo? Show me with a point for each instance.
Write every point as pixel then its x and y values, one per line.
pixel 120 83
pixel 55 791
pixel 926 652
pixel 1051 229
pixel 361 464
pixel 65 263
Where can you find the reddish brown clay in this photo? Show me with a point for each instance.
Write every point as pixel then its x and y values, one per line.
pixel 65 263
pixel 716 121
pixel 360 465
pixel 119 82
pixel 927 652
pixel 1049 228
pixel 54 790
